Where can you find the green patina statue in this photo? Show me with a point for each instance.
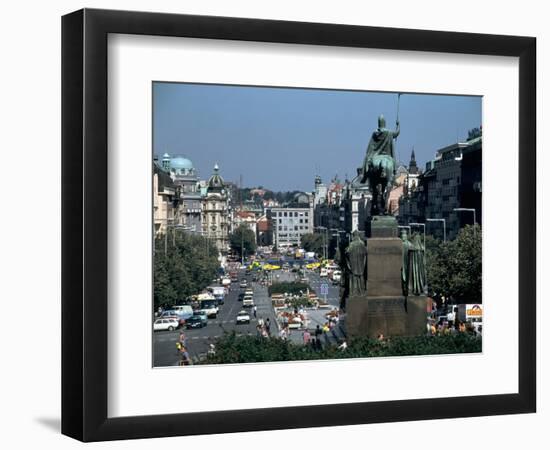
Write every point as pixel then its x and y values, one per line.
pixel 413 269
pixel 356 262
pixel 340 259
pixel 378 170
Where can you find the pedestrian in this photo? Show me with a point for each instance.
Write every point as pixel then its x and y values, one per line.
pixel 255 311
pixel 182 339
pixel 268 327
pixel 318 332
pixel 306 335
pixel 319 345
pixel 326 329
pixel 313 344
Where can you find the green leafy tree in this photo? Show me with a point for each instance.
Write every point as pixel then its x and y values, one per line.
pixel 184 265
pixel 454 267
pixel 243 241
pixel 312 242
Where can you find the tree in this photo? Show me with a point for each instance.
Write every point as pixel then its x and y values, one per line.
pixel 313 242
pixel 243 240
pixel 454 268
pixel 184 265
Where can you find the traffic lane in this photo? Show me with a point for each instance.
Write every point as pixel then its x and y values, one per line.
pixel 199 339
pixel 316 281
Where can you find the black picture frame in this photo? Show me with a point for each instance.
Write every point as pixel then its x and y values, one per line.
pixel 84 224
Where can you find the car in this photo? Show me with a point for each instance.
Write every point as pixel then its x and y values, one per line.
pixel 196 322
pixel 201 315
pixel 243 284
pixel 248 301
pixel 323 273
pixel 165 324
pixel 241 296
pixel 243 317
pixel 173 314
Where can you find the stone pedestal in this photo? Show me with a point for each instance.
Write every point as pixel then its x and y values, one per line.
pixel 390 316
pixel 384 310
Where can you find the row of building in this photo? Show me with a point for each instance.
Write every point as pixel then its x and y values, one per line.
pixel 444 196
pixel 213 207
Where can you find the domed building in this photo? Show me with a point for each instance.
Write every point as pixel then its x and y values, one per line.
pixel 186 181
pixel 216 212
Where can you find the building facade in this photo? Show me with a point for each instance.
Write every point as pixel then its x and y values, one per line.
pixel 186 181
pixel 216 212
pixel 165 200
pixel 450 184
pixel 289 223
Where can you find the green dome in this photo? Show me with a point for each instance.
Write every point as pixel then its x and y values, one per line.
pixel 181 163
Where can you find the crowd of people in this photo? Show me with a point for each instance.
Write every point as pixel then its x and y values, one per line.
pixel 446 328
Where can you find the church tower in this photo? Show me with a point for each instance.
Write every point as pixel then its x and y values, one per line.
pixel 413 168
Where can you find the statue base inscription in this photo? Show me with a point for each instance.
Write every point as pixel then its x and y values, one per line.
pixel 390 316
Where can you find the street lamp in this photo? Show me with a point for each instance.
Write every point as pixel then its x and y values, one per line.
pixel 325 239
pixel 472 210
pixel 444 226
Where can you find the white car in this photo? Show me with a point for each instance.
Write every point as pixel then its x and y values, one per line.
pixel 243 317
pixel 323 273
pixel 165 324
pixel 248 301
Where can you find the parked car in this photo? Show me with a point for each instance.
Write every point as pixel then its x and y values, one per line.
pixel 165 324
pixel 243 317
pixel 173 314
pixel 196 322
pixel 241 296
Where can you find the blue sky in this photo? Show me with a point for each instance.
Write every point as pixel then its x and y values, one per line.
pixel 281 138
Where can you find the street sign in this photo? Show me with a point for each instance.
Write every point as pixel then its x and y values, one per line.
pixel 324 289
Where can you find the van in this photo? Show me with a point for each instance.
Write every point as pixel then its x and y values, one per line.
pixel 184 311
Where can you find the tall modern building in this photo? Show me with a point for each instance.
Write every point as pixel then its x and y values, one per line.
pixel 216 211
pixel 289 223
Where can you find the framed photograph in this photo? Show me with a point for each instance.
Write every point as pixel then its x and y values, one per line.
pixel 272 224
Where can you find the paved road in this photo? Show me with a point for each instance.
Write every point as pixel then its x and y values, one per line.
pixel 317 317
pixel 198 340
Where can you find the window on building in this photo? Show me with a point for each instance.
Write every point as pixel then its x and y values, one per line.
pixel 306 221
pixel 285 214
pixel 306 214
